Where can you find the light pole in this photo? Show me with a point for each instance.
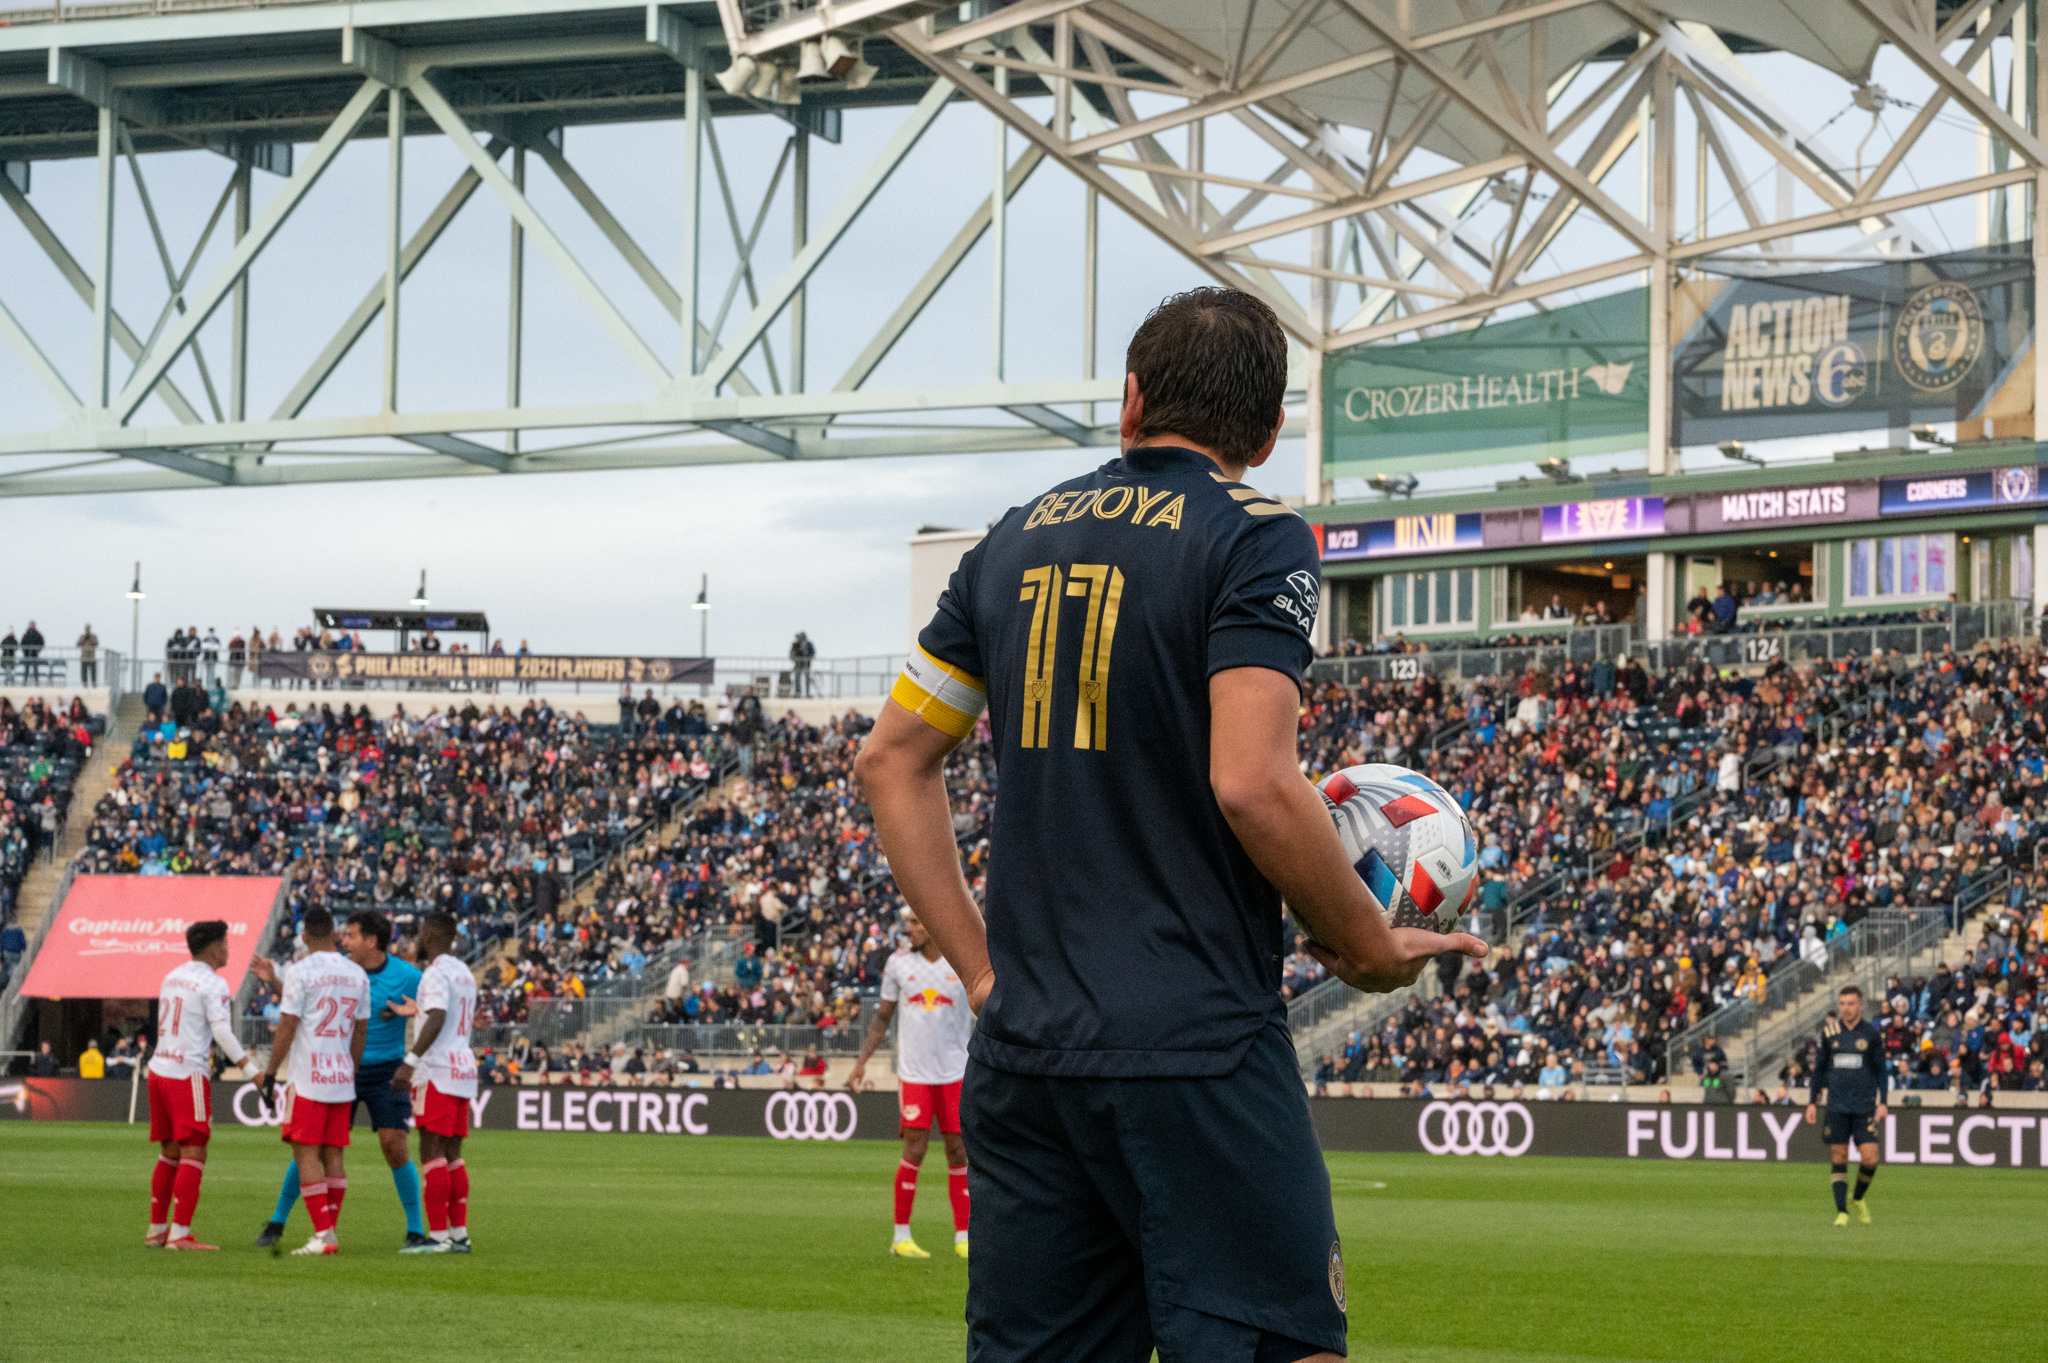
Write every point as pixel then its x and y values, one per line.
pixel 135 630
pixel 703 608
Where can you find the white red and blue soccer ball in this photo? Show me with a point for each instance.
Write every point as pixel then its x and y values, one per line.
pixel 1409 841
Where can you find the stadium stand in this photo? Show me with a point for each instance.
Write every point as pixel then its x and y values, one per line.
pixel 1661 849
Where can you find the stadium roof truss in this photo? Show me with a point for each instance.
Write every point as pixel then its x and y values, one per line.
pixel 1374 168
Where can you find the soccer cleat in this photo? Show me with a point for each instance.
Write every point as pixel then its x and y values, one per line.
pixel 272 1233
pixel 1862 1210
pixel 907 1249
pixel 316 1245
pixel 188 1242
pixel 426 1246
pixel 1841 1218
pixel 960 1248
pixel 155 1241
pixel 459 1247
pixel 413 1240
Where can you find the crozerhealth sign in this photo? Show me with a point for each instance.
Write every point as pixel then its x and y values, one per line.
pixel 1571 381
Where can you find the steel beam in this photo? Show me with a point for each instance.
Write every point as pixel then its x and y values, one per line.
pixel 1045 418
pixel 781 446
pixel 273 217
pixel 468 451
pixel 181 461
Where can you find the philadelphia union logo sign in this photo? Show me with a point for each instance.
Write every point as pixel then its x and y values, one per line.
pixel 1938 337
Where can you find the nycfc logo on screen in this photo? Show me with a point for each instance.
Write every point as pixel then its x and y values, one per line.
pixel 1940 334
pixel 1464 1128
pixel 811 1116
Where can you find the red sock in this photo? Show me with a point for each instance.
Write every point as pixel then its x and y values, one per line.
pixel 318 1206
pixel 956 1188
pixel 185 1191
pixel 337 1188
pixel 906 1190
pixel 434 1181
pixel 160 1180
pixel 458 1195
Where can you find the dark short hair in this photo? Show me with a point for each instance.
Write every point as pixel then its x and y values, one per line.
pixel 441 922
pixel 200 936
pixel 373 924
pixel 318 922
pixel 1850 989
pixel 1212 367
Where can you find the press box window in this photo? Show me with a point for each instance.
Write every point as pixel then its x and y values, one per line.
pixel 1901 567
pixel 1442 601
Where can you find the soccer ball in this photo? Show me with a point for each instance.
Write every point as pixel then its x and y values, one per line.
pixel 1408 839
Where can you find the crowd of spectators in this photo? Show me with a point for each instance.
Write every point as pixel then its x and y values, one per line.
pixel 42 747
pixel 491 813
pixel 1818 797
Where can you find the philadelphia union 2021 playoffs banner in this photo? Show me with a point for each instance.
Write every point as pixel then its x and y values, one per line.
pixel 1570 381
pixel 1508 1128
pixel 1925 338
pixel 482 667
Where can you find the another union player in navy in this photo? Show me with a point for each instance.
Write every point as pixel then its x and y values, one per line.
pixel 1143 1170
pixel 1851 1068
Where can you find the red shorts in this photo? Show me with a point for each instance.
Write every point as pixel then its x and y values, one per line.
pixel 180 1110
pixel 438 1112
pixel 923 1103
pixel 307 1122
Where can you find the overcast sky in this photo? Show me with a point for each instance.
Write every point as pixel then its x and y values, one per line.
pixel 609 561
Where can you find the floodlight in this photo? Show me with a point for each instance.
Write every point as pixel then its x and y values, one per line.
pixel 810 63
pixel 735 77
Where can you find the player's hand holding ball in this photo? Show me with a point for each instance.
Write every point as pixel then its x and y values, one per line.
pixel 1412 845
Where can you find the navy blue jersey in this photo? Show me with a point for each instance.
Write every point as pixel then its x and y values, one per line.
pixel 395 980
pixel 1131 935
pixel 1851 1068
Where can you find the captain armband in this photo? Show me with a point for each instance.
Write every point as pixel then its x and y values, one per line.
pixel 940 694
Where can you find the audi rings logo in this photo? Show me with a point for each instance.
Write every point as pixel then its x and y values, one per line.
pixel 251 1110
pixel 811 1116
pixel 1464 1128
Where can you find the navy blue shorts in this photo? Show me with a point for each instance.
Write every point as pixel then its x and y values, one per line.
pixel 390 1109
pixel 1115 1216
pixel 1850 1128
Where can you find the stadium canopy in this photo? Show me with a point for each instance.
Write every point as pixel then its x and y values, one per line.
pixel 404 621
pixel 1374 168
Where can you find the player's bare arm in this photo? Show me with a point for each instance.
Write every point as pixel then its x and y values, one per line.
pixel 902 771
pixel 877 1029
pixel 429 1028
pixel 357 1041
pixel 1281 821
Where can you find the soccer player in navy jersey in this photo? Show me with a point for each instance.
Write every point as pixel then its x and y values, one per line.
pixel 1850 1070
pixel 1143 1171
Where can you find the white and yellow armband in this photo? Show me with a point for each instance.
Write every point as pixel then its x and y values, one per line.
pixel 940 694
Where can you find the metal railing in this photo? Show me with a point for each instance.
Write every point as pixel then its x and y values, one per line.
pixel 131 9
pixel 1600 643
pixel 1761 1033
pixel 555 1028
pixel 1967 623
pixel 13 1008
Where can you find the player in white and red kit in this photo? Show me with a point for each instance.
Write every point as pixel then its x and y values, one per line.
pixel 193 1016
pixel 441 1071
pixel 931 1059
pixel 325 1024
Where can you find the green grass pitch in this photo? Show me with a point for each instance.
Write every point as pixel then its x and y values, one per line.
pixel 758 1250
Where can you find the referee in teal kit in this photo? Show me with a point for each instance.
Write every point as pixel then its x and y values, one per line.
pixel 1144 1174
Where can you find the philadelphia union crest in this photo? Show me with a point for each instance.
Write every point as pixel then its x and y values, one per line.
pixel 1337 1272
pixel 1939 335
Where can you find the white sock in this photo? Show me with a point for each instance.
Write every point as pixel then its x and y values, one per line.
pixel 902 1234
pixel 458 1232
pixel 328 1236
pixel 179 1232
pixel 159 1227
pixel 439 1235
pixel 959 1237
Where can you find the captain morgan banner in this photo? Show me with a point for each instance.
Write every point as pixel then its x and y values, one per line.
pixel 116 937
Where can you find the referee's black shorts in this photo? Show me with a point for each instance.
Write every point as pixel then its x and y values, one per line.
pixel 1115 1216
pixel 1850 1128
